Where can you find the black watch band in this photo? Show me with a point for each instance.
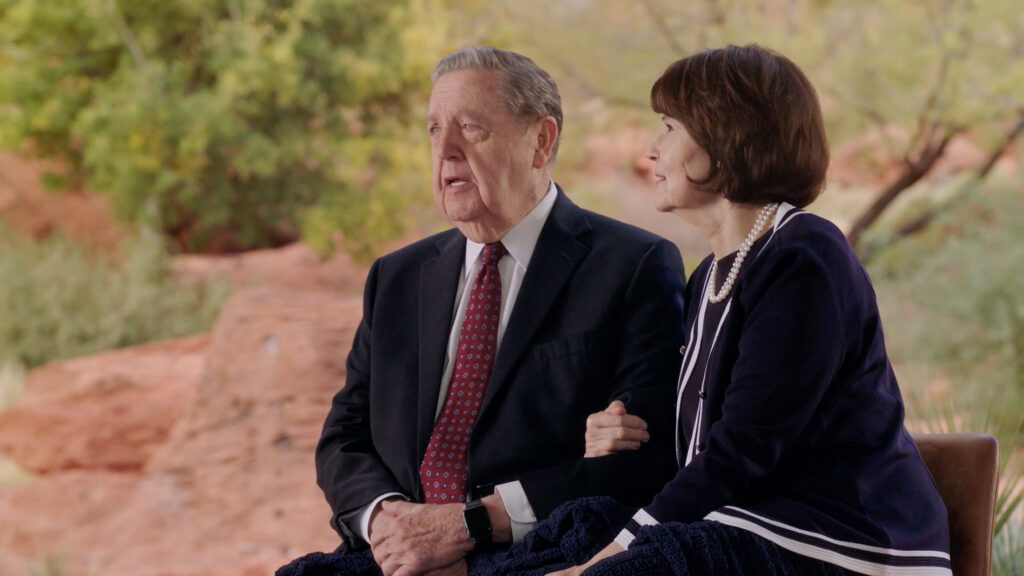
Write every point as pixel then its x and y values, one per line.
pixel 478 524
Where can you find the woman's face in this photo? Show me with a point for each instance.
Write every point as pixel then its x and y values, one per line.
pixel 678 159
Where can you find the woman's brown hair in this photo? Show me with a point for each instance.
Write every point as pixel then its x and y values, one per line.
pixel 758 118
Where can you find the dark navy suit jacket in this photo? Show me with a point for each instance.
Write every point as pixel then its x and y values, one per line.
pixel 598 317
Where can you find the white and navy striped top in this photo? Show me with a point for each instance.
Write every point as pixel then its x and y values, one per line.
pixel 789 419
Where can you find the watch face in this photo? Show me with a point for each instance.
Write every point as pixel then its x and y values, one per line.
pixel 477 523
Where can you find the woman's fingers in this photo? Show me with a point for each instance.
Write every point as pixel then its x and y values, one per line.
pixel 602 425
pixel 616 407
pixel 613 430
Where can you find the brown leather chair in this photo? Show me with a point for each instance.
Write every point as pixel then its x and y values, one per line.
pixel 966 469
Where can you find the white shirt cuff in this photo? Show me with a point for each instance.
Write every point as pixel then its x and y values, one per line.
pixel 518 507
pixel 628 534
pixel 624 539
pixel 364 516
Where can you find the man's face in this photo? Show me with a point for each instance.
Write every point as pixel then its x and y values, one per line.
pixel 488 166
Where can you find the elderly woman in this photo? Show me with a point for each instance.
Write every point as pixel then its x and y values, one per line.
pixel 793 457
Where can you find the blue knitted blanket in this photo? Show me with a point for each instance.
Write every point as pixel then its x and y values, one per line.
pixel 577 530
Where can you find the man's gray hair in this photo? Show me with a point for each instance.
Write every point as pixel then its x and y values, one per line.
pixel 527 91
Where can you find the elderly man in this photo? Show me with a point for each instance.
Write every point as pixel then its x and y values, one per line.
pixel 483 349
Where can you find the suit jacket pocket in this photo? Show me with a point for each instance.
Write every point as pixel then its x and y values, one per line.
pixel 569 346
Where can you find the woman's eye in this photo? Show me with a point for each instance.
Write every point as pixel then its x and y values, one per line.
pixel 469 126
pixel 433 129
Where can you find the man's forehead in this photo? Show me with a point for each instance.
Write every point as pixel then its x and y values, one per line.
pixel 467 88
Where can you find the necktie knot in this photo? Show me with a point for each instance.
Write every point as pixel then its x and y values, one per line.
pixel 493 252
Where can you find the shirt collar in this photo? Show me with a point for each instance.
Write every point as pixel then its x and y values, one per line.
pixel 521 240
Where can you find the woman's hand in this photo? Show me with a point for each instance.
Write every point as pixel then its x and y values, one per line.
pixel 613 430
pixel 606 552
pixel 570 571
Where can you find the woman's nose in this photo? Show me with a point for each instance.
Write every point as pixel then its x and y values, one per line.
pixel 651 153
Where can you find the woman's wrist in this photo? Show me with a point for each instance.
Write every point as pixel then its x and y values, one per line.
pixel 607 552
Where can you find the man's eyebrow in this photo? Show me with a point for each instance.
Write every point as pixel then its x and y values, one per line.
pixel 473 115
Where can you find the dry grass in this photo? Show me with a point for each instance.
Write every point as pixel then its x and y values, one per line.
pixel 12 382
pixel 11 474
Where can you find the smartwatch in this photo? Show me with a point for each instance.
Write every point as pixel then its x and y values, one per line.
pixel 478 524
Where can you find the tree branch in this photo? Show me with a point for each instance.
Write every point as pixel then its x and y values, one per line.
pixel 913 171
pixel 1011 136
pixel 659 24
pixel 926 145
pixel 235 9
pixel 126 34
pixel 588 87
pixel 919 223
pixel 925 122
pixel 873 114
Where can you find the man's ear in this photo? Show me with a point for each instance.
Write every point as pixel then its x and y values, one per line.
pixel 547 134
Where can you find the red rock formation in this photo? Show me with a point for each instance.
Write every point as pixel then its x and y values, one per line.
pixel 108 411
pixel 32 210
pixel 291 267
pixel 230 492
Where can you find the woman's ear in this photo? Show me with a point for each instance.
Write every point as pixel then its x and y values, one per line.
pixel 547 134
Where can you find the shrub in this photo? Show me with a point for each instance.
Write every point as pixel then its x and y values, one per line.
pixel 58 300
pixel 953 296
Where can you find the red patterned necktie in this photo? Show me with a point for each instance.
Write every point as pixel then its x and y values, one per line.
pixel 445 470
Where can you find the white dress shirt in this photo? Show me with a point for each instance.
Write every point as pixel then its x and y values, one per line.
pixel 519 242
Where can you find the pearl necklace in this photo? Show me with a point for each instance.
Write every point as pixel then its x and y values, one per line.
pixel 762 218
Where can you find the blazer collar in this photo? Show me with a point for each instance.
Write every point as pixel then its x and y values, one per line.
pixel 439 281
pixel 559 251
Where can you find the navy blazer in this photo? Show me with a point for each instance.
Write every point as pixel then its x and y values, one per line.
pixel 799 421
pixel 598 317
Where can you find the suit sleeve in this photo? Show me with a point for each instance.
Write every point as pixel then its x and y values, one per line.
pixel 643 375
pixel 791 347
pixel 349 470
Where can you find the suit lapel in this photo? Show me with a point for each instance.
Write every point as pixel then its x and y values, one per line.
pixel 439 280
pixel 558 253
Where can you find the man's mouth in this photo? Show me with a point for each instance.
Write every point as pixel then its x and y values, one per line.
pixel 456 182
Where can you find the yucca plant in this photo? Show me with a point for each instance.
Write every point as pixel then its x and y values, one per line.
pixel 971 415
pixel 1008 551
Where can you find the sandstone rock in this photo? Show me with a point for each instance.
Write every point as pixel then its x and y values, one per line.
pixel 32 210
pixel 59 515
pixel 106 411
pixel 291 267
pixel 231 492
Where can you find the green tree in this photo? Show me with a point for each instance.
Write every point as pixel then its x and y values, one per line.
pixel 929 70
pixel 953 297
pixel 228 124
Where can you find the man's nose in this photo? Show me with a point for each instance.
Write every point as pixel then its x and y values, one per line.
pixel 449 144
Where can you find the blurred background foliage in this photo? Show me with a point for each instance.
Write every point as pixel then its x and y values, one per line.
pixel 60 300
pixel 962 275
pixel 237 124
pixel 226 125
